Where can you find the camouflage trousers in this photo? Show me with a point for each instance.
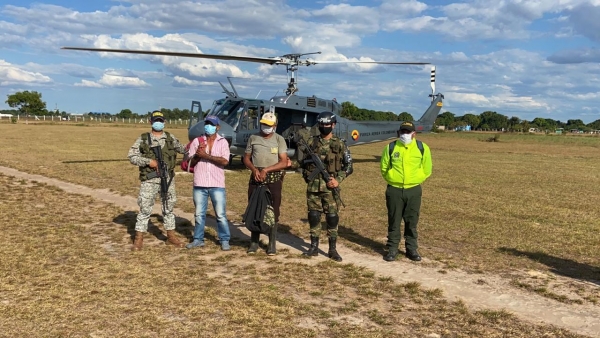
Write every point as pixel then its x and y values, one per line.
pixel 323 202
pixel 148 191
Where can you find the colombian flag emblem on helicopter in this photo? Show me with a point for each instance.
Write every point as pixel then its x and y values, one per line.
pixel 355 134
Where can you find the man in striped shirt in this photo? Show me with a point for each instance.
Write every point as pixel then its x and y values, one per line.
pixel 211 155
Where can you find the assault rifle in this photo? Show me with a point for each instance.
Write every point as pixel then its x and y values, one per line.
pixel 320 169
pixel 162 172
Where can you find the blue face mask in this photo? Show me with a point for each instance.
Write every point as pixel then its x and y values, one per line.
pixel 158 126
pixel 210 129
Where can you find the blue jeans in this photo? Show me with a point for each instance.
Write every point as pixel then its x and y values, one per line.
pixel 217 196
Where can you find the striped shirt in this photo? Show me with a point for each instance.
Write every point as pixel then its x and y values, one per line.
pixel 206 173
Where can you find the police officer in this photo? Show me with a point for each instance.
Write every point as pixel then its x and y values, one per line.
pixel 141 155
pixel 335 155
pixel 405 165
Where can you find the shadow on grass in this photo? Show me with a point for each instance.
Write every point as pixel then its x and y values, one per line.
pixel 185 228
pixel 561 266
pixel 352 236
pixel 128 219
pixel 96 161
pixel 375 159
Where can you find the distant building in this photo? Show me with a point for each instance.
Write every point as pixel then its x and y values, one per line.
pixel 463 128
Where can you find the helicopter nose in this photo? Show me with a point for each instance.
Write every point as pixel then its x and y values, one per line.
pixel 226 131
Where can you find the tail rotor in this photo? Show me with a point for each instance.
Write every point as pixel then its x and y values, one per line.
pixel 432 95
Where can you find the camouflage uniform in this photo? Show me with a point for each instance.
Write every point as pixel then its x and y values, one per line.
pixel 336 157
pixel 139 155
pixel 302 134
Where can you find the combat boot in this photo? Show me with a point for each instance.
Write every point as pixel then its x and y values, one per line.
pixel 271 250
pixel 254 238
pixel 314 247
pixel 333 254
pixel 173 240
pixel 138 241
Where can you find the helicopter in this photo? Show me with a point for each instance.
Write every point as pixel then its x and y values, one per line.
pixel 239 117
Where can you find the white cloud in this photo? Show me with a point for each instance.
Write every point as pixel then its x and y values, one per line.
pixel 186 67
pixel 179 81
pixel 509 19
pixel 402 7
pixel 15 75
pixel 12 28
pixel 347 18
pixel 88 83
pixel 111 79
pixel 576 56
pixel 108 80
pixel 584 19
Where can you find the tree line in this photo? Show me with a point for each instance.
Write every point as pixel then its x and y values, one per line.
pixel 352 112
pixel 30 103
pixel 488 120
pixel 491 120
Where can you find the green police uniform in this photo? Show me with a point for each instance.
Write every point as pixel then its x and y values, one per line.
pixel 404 171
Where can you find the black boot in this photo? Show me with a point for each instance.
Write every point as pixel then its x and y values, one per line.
pixel 333 254
pixel 413 255
pixel 314 247
pixel 271 251
pixel 254 238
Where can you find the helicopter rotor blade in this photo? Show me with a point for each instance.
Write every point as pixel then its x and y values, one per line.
pixel 270 61
pixel 314 62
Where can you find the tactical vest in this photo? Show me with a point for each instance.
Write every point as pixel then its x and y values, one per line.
pixel 331 156
pixel 168 153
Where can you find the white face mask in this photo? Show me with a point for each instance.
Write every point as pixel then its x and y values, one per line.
pixel 406 139
pixel 266 129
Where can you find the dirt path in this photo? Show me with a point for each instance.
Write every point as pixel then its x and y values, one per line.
pixel 481 291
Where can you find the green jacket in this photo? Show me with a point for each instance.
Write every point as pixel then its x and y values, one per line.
pixel 407 168
pixel 169 154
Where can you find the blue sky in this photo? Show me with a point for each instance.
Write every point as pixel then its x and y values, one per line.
pixel 525 58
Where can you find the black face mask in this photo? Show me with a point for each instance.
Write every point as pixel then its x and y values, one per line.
pixel 325 130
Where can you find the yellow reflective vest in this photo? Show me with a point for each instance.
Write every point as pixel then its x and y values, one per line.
pixel 406 168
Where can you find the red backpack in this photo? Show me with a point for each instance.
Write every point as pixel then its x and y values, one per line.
pixel 187 160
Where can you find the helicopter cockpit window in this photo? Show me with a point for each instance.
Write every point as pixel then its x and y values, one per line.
pixel 248 118
pixel 217 104
pixel 230 112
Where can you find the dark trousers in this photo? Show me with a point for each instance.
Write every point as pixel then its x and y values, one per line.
pixel 275 189
pixel 403 204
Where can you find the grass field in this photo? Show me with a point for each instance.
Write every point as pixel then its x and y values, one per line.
pixel 528 202
pixel 66 273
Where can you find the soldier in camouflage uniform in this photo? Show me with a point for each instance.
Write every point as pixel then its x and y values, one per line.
pixel 141 155
pixel 336 157
pixel 304 134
